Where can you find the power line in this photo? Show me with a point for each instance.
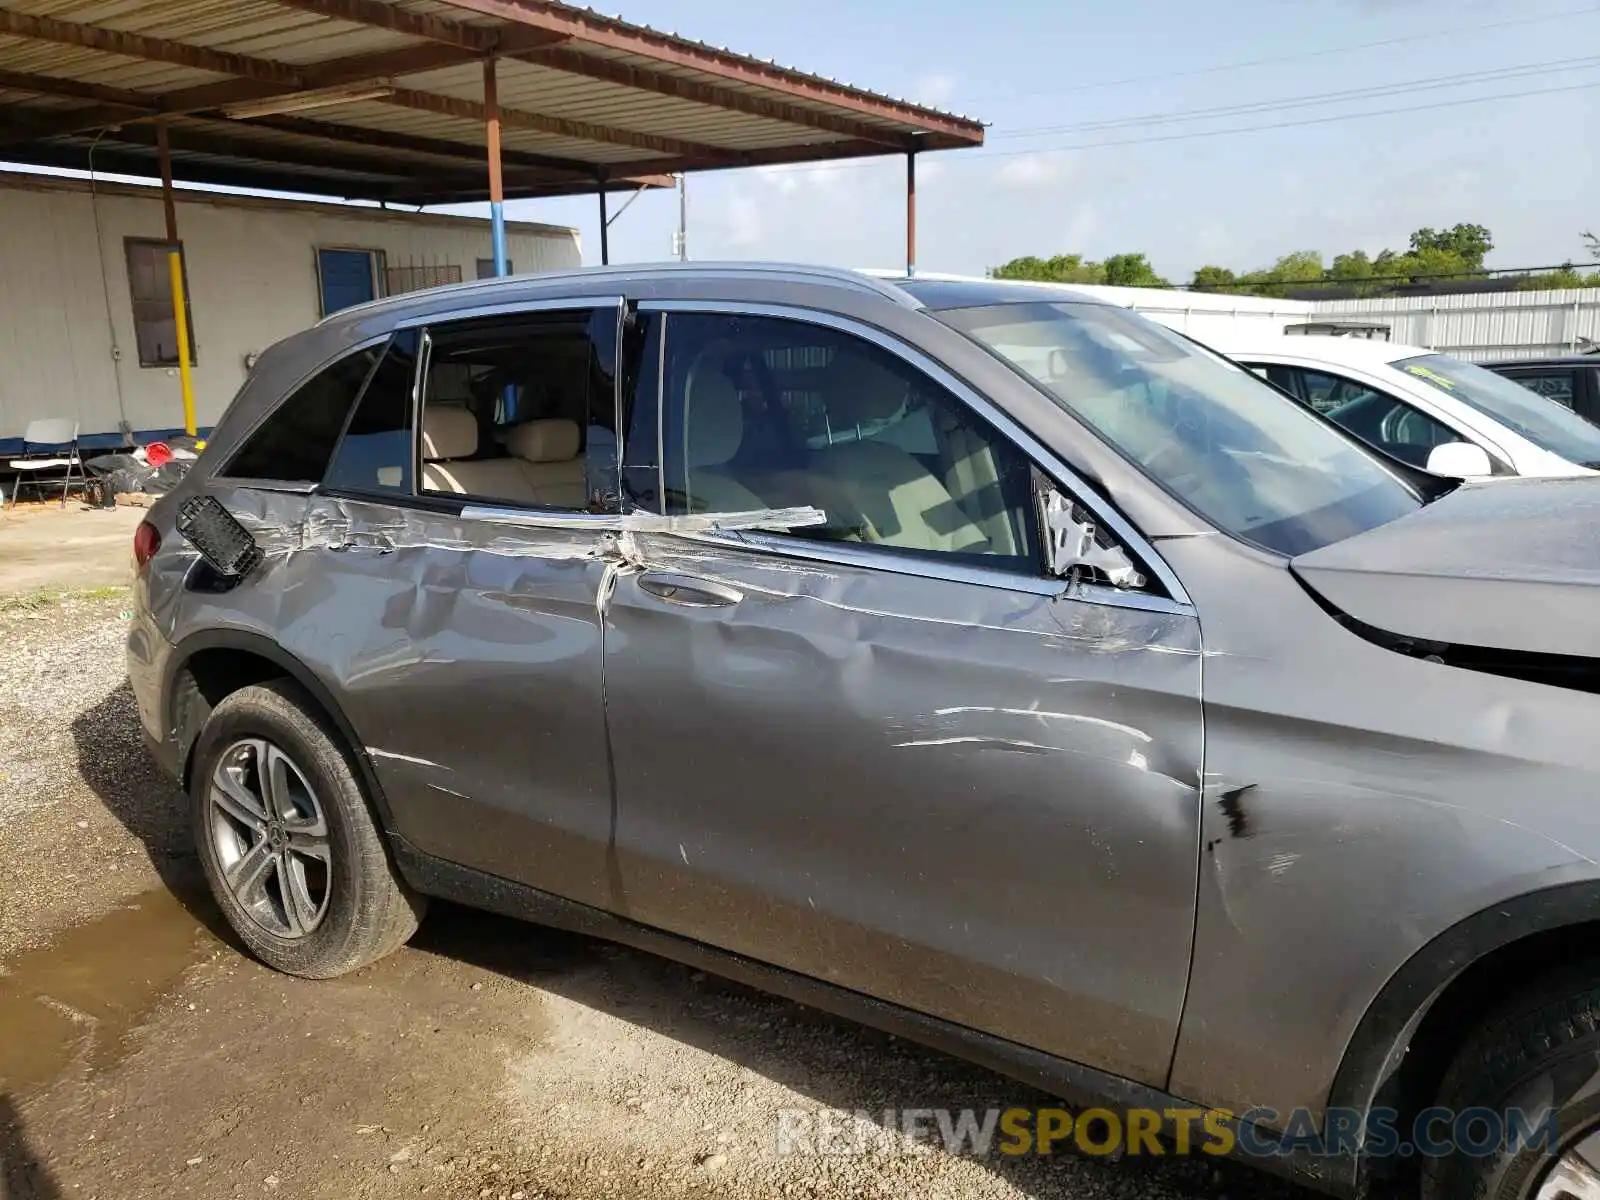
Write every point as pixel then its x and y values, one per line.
pixel 977 157
pixel 1377 91
pixel 1431 36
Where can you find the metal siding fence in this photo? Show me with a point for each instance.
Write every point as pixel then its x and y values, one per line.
pixel 1481 326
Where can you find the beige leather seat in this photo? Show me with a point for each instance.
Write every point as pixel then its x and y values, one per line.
pixel 547 453
pixel 711 434
pixel 543 470
pixel 880 490
pixel 973 479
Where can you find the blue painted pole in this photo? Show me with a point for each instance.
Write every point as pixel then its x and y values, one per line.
pixel 497 227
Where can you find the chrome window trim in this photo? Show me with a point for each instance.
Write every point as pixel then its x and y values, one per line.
pixel 539 518
pixel 1063 476
pixel 507 308
pixel 846 554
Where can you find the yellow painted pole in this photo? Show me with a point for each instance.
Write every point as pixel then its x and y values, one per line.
pixel 181 316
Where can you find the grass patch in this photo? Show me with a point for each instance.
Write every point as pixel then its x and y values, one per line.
pixel 42 598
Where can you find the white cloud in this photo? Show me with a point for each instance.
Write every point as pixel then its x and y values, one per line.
pixel 742 226
pixel 1033 170
pixel 936 89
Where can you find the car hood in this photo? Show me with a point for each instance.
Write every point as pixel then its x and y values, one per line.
pixel 1506 564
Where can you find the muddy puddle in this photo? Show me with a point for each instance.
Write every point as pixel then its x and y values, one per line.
pixel 71 1005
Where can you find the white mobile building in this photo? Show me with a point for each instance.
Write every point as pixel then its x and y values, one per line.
pixel 86 318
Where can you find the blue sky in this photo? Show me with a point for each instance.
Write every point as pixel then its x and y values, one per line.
pixel 1525 167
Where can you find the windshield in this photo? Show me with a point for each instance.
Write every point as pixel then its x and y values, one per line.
pixel 1250 461
pixel 1539 419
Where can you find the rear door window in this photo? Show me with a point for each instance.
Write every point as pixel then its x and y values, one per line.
pixel 376 451
pixel 296 441
pixel 521 410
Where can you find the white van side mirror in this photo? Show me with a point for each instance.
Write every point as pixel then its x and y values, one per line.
pixel 1460 460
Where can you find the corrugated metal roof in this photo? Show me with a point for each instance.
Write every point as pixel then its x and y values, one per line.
pixel 582 96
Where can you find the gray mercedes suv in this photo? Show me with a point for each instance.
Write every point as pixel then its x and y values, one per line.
pixel 994 667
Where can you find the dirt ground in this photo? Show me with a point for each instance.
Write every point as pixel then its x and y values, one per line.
pixel 141 1055
pixel 43 544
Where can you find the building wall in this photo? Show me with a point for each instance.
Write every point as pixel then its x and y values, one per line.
pixel 1204 314
pixel 252 281
pixel 1484 325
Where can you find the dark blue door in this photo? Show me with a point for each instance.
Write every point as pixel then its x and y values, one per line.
pixel 347 278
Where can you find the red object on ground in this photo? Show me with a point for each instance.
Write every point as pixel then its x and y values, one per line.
pixel 158 454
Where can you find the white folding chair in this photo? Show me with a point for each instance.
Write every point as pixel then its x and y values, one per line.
pixel 56 439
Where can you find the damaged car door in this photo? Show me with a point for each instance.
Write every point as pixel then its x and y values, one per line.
pixel 463 540
pixel 895 749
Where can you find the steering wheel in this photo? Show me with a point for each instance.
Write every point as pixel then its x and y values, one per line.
pixel 1187 443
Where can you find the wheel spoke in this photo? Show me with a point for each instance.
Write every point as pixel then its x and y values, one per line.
pixel 298 904
pixel 232 794
pixel 307 825
pixel 275 772
pixel 311 845
pixel 247 877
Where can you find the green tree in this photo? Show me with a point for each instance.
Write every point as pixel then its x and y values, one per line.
pixel 1131 270
pixel 1303 266
pixel 1470 243
pixel 1063 268
pixel 1593 242
pixel 1355 265
pixel 1214 279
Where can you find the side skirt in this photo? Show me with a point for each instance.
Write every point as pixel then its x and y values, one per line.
pixel 1079 1086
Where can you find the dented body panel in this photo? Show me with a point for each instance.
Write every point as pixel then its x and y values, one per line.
pixel 976 800
pixel 1510 564
pixel 1358 803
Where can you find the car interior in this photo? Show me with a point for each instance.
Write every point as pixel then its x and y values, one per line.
pixel 505 416
pixel 891 458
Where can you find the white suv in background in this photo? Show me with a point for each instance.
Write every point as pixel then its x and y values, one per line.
pixel 1424 408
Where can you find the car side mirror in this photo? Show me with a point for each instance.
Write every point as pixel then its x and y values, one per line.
pixel 1460 460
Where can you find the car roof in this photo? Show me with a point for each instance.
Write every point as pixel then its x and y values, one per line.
pixel 1346 351
pixel 585 279
pixel 966 291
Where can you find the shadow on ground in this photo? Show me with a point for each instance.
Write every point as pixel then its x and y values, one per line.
pixel 114 763
pixel 22 1175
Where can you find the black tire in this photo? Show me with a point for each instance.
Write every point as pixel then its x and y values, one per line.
pixel 369 910
pixel 1540 1051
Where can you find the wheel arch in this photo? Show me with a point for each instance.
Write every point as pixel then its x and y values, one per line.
pixel 1410 1033
pixel 206 666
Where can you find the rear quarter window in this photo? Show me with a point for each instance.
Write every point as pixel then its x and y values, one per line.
pixel 295 443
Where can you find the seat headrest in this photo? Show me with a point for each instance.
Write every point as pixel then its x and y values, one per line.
pixel 713 415
pixel 862 391
pixel 551 440
pixel 448 432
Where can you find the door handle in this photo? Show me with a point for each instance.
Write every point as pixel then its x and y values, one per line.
pixel 688 590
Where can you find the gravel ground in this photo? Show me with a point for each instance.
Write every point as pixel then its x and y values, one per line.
pixel 145 1057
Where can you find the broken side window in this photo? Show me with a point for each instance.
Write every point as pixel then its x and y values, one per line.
pixel 376 451
pixel 297 439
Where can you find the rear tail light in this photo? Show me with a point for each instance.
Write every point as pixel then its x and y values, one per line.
pixel 146 541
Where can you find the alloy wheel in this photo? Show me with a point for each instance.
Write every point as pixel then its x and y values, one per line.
pixel 270 835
